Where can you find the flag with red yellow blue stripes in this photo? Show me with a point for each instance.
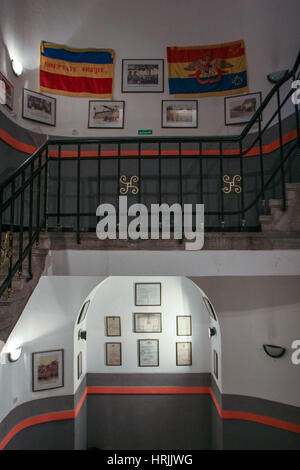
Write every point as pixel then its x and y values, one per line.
pixel 76 72
pixel 200 71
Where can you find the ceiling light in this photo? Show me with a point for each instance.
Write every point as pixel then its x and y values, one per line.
pixel 14 354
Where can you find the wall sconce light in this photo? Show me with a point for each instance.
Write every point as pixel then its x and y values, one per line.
pixel 14 354
pixel 273 351
pixel 211 331
pixel 82 334
pixel 276 77
pixel 17 67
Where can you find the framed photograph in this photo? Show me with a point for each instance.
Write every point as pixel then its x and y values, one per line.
pixel 179 113
pixel 106 114
pixel 8 98
pixel 147 293
pixel 79 365
pixel 142 75
pixel 83 312
pixel 113 326
pixel 210 308
pixel 184 325
pixel 216 365
pixel 184 354
pixel 47 370
pixel 148 352
pixel 240 109
pixel 38 107
pixel 113 354
pixel 147 323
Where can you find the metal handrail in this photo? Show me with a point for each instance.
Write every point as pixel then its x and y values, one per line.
pixel 33 175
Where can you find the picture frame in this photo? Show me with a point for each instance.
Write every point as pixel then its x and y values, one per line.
pixel 79 365
pixel 47 370
pixel 147 322
pixel 9 92
pixel 184 325
pixel 106 114
pixel 179 114
pixel 210 308
pixel 113 326
pixel 147 294
pixel 113 354
pixel 142 75
pixel 239 109
pixel 215 364
pixel 83 312
pixel 38 107
pixel 184 353
pixel 148 353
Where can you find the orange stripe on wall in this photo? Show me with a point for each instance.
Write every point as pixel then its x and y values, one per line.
pixel 96 390
pixel 18 145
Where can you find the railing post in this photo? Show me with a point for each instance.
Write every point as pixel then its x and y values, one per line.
pixel 58 187
pixel 242 184
pixel 78 195
pixel 281 152
pixel 261 162
pixel 21 222
pixel 38 200
pixel 30 222
pixel 46 188
pixel 222 223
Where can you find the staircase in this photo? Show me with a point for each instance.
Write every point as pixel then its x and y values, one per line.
pixel 287 221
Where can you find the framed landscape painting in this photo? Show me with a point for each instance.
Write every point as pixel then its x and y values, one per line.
pixel 179 113
pixel 106 114
pixel 240 109
pixel 47 370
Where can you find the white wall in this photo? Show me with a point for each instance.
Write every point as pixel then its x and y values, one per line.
pixel 143 29
pixel 180 296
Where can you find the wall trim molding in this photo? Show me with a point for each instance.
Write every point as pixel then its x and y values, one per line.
pixel 133 390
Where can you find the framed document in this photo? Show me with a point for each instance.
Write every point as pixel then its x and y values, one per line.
pixel 79 365
pixel 47 370
pixel 184 325
pixel 184 354
pixel 210 308
pixel 148 353
pixel 147 323
pixel 113 326
pixel 147 293
pixel 113 354
pixel 83 311
pixel 216 366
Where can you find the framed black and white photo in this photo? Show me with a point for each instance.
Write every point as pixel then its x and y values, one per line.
pixel 142 75
pixel 184 325
pixel 47 370
pixel 147 323
pixel 148 352
pixel 113 326
pixel 240 109
pixel 179 113
pixel 7 92
pixel 147 293
pixel 184 354
pixel 113 354
pixel 106 114
pixel 38 107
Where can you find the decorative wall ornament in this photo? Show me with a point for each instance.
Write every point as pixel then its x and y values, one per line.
pixel 232 186
pixel 129 185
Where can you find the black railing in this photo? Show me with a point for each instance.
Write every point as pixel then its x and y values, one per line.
pixel 60 186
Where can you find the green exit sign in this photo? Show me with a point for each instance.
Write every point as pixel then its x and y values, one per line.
pixel 145 132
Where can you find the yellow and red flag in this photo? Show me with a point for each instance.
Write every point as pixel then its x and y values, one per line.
pixel 76 72
pixel 208 70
